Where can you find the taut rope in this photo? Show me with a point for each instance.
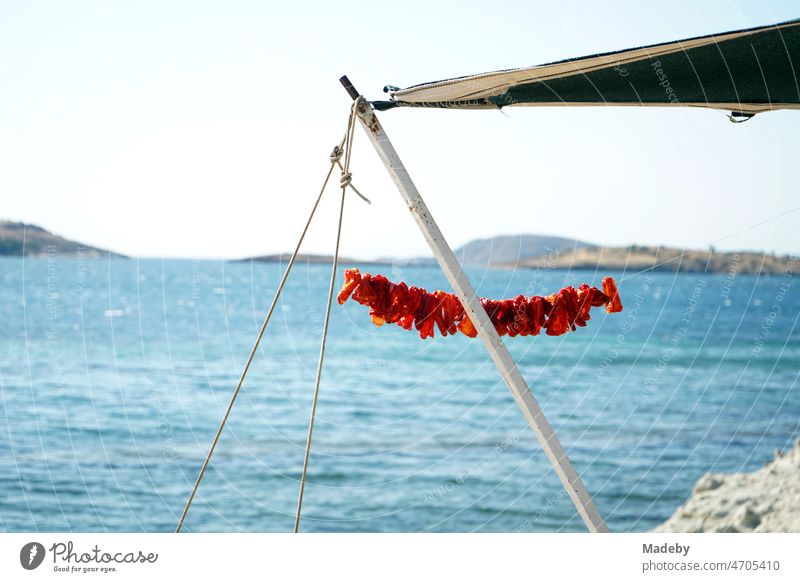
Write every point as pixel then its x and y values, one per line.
pixel 344 148
pixel 344 183
pixel 334 159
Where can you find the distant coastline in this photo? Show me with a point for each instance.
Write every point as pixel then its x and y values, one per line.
pixel 526 251
pixel 18 239
pixel 589 258
pixel 311 259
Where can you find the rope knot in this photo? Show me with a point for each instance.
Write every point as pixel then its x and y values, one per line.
pixel 345 180
pixel 336 154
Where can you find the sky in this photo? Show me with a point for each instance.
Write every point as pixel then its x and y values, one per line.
pixel 203 129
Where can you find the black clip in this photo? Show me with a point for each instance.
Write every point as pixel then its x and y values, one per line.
pixel 740 116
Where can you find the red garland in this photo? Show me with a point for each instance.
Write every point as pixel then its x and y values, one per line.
pixel 415 307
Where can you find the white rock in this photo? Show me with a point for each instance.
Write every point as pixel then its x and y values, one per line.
pixel 766 500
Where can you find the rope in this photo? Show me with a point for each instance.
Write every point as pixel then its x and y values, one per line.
pixel 344 183
pixel 319 370
pixel 347 178
pixel 334 158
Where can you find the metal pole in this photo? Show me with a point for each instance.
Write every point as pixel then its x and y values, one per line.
pixel 486 331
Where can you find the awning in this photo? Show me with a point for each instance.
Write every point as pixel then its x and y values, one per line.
pixel 745 71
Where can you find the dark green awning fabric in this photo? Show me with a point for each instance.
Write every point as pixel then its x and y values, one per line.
pixel 746 71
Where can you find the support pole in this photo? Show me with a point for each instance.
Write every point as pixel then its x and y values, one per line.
pixel 477 314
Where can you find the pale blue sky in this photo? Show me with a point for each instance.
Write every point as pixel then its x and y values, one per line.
pixel 203 129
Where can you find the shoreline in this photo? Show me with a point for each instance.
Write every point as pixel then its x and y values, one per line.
pixel 766 500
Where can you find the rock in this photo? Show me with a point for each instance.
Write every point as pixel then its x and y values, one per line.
pixel 18 239
pixel 746 518
pixel 708 482
pixel 766 500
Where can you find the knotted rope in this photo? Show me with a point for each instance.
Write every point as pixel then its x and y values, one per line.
pixel 343 183
pixel 343 148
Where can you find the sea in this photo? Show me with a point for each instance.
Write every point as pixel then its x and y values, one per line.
pixel 115 374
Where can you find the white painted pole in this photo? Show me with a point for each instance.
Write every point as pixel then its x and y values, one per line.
pixel 486 331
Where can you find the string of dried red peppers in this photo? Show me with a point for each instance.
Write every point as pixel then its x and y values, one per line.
pixel 415 307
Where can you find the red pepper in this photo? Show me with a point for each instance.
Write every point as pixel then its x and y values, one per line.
pixel 557 320
pixel 614 304
pixel 536 314
pixel 466 327
pixel 351 280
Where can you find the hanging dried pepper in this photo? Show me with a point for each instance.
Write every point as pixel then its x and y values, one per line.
pixel 414 307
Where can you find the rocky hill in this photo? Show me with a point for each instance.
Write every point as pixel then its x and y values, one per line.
pixel 19 239
pixel 638 258
pixel 508 249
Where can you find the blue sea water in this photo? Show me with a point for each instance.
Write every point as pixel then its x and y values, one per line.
pixel 114 376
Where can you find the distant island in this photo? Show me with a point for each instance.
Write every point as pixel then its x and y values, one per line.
pixel 517 247
pixel 506 248
pixel 659 259
pixel 18 239
pixel 476 253
pixel 548 252
pixel 311 259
